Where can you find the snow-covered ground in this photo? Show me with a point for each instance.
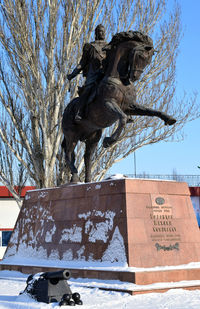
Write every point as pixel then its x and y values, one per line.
pixel 12 283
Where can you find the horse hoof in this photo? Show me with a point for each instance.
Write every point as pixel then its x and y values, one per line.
pixel 108 142
pixel 170 121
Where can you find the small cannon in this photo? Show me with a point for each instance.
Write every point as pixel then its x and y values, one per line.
pixel 51 287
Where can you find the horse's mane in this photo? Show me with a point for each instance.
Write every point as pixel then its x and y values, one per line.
pixel 130 36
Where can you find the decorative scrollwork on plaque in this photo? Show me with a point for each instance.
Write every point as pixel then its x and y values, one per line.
pixel 167 248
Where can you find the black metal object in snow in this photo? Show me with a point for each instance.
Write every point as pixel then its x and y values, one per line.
pixel 51 287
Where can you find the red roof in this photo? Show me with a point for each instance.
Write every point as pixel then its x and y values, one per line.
pixel 4 192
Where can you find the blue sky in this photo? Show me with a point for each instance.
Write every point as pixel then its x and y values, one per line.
pixel 183 156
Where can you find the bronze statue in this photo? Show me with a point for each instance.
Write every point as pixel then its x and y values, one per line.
pixel 91 64
pixel 127 55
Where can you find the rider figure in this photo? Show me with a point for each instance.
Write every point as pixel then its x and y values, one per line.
pixel 91 64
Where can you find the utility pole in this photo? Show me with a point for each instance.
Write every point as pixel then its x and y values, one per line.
pixel 135 164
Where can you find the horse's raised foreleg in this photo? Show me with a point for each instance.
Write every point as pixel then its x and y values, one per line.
pixel 117 114
pixel 142 110
pixel 91 144
pixel 68 147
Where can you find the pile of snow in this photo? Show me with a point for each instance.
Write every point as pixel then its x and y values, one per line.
pixel 12 283
pixel 116 176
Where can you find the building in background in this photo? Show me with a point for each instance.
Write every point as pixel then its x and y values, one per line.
pixel 9 211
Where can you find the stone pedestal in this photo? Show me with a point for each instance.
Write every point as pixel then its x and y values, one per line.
pixel 142 223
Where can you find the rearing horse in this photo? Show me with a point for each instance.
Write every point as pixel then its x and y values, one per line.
pixel 127 55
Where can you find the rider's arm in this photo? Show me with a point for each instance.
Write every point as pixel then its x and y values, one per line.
pixel 82 64
pixel 75 72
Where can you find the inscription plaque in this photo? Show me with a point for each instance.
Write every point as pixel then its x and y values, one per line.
pixel 163 226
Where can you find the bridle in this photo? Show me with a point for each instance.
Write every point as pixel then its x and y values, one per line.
pixel 132 56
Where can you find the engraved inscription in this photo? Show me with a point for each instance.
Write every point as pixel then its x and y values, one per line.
pixel 163 227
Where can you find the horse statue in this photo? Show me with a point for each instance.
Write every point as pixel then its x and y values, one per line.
pixel 127 55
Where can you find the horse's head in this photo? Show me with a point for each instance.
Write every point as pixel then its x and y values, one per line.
pixel 128 54
pixel 139 57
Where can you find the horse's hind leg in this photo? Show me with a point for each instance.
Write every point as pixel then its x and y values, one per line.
pixel 142 110
pixel 91 144
pixel 117 114
pixel 68 145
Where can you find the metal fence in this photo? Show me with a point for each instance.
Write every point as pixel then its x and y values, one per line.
pixel 192 180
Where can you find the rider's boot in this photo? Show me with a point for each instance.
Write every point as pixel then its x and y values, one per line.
pixel 86 97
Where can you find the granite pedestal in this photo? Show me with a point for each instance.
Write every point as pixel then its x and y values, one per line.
pixel 127 222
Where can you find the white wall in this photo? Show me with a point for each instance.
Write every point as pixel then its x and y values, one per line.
pixel 9 211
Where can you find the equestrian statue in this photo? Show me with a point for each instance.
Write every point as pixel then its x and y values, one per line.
pixel 108 94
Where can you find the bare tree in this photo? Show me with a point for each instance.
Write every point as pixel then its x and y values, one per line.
pixel 41 41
